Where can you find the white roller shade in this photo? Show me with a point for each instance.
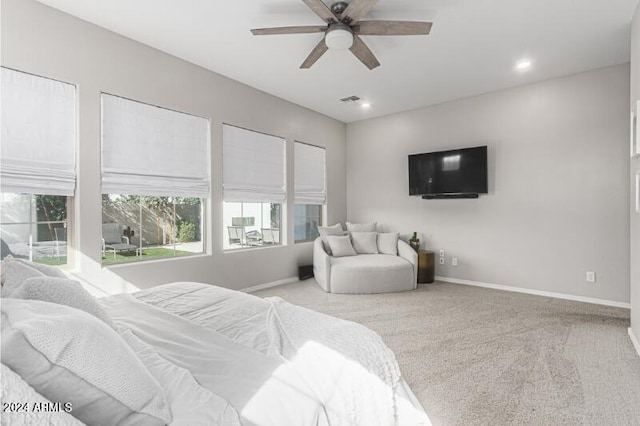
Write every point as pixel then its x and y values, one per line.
pixel 148 150
pixel 253 166
pixel 310 187
pixel 38 120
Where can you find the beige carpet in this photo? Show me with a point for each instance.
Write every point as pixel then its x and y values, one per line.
pixel 476 356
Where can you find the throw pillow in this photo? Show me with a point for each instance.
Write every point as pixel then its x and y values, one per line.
pixel 365 242
pixel 326 231
pixel 341 246
pixel 388 243
pixel 67 355
pixel 14 274
pixel 362 227
pixel 62 291
pixel 50 271
pixel 16 390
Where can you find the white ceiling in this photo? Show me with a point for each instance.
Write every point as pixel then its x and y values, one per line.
pixel 472 48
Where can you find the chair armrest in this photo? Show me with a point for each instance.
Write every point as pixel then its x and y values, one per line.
pixel 407 252
pixel 321 265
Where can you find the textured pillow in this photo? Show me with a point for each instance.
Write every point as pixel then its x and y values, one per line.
pixel 388 243
pixel 341 246
pixel 365 242
pixel 14 273
pixel 326 231
pixel 67 355
pixel 362 227
pixel 17 391
pixel 50 271
pixel 62 291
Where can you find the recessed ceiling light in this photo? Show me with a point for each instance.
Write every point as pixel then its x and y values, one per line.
pixel 366 105
pixel 523 65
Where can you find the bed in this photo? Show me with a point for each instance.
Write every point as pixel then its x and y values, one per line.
pixel 188 354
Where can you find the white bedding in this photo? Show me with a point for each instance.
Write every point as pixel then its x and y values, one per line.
pixel 261 362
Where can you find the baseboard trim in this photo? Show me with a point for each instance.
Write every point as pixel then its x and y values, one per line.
pixel 269 285
pixel 635 342
pixel 537 292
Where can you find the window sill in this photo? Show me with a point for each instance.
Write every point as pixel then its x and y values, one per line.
pixel 251 248
pixel 153 261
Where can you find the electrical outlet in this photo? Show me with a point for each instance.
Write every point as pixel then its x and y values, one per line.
pixel 441 253
pixel 591 277
pixel 442 260
pixel 454 261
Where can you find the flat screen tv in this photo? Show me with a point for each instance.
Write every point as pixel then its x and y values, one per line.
pixel 458 173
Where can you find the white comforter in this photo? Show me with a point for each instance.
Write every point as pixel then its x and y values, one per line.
pixel 229 358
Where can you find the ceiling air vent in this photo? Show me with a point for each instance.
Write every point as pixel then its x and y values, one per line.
pixel 350 99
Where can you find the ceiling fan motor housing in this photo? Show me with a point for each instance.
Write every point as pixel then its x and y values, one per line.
pixel 338 7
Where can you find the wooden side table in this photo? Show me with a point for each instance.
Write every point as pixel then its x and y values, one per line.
pixel 426 266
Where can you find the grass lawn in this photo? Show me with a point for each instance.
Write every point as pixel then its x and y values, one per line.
pixel 122 256
pixel 54 261
pixel 147 254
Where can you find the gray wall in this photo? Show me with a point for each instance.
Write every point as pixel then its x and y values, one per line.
pixel 558 184
pixel 44 41
pixel 635 168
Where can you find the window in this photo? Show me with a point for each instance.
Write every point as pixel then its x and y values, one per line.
pixel 37 166
pixel 310 191
pixel 254 188
pixel 145 227
pixel 155 179
pixel 252 224
pixel 307 219
pixel 34 227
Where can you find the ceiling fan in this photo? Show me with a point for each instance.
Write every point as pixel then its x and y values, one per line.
pixel 344 28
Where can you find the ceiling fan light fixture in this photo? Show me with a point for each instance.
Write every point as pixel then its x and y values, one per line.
pixel 339 37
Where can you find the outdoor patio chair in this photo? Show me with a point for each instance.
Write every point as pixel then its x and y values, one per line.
pixel 60 242
pixel 271 236
pixel 113 239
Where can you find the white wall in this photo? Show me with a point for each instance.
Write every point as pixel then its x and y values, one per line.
pixel 558 184
pixel 635 168
pixel 44 41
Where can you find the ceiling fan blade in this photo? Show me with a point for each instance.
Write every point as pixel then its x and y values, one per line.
pixel 356 10
pixel 392 28
pixel 288 30
pixel 315 54
pixel 362 52
pixel 321 10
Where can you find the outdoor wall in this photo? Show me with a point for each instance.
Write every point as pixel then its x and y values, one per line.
pixel 635 169
pixel 43 41
pixel 558 184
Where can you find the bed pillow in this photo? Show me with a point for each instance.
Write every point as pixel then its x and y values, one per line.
pixel 14 273
pixel 362 227
pixel 341 246
pixel 388 243
pixel 365 242
pixel 68 355
pixel 15 390
pixel 62 291
pixel 326 231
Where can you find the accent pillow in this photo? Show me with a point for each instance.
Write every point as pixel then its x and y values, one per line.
pixel 14 273
pixel 341 246
pixel 362 227
pixel 326 231
pixel 67 355
pixel 62 291
pixel 388 243
pixel 16 390
pixel 365 242
pixel 50 271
